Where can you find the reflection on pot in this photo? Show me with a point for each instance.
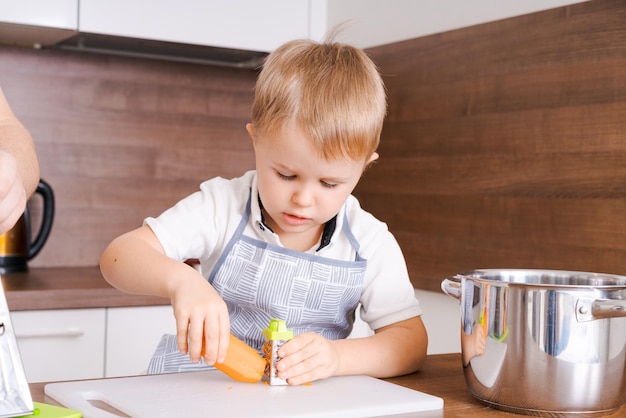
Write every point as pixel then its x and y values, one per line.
pixel 484 330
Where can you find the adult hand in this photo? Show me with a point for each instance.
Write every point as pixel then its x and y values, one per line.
pixel 13 196
pixel 19 167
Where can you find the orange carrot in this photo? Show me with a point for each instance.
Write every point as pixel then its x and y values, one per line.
pixel 242 362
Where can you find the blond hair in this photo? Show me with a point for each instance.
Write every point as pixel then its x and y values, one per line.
pixel 332 91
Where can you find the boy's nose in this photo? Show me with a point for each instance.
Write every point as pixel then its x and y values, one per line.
pixel 302 196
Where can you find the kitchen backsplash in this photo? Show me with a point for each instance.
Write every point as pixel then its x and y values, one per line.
pixel 505 145
pixel 120 139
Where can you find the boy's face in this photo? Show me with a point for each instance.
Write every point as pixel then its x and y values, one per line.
pixel 300 190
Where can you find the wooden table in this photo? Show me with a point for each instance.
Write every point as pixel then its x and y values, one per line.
pixel 442 376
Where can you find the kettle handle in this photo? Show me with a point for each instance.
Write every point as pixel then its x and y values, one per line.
pixel 45 191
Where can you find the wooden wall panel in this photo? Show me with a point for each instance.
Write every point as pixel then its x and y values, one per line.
pixel 120 139
pixel 505 145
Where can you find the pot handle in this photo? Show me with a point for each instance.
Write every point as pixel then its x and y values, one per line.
pixel 591 309
pixel 451 286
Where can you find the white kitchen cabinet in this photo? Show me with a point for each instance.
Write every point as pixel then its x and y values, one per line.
pixel 69 344
pixel 249 24
pixel 370 23
pixel 236 24
pixel 442 319
pixel 62 14
pixel 264 25
pixel 37 22
pixel 132 336
pixel 62 344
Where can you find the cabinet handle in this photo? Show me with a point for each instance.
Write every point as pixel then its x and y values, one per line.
pixel 54 333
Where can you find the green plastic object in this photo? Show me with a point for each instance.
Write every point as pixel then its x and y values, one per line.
pixel 277 330
pixel 43 410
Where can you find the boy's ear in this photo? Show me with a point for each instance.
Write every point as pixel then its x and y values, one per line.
pixel 370 161
pixel 251 132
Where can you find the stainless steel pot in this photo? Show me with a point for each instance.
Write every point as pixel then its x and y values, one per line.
pixel 543 342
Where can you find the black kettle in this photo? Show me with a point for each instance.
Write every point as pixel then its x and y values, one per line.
pixel 16 245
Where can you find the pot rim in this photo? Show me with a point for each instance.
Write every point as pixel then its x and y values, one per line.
pixel 564 279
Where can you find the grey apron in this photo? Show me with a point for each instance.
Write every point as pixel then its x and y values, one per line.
pixel 260 281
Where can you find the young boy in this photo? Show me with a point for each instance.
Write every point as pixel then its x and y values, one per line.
pixel 288 240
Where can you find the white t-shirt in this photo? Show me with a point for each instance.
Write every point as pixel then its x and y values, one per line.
pixel 201 225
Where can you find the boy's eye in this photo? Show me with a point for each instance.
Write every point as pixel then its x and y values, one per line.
pixel 325 184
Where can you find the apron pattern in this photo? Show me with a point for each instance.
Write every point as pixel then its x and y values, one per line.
pixel 259 281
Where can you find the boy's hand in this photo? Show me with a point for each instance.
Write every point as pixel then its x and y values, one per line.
pixel 202 321
pixel 307 357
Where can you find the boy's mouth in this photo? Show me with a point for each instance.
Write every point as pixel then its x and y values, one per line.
pixel 294 219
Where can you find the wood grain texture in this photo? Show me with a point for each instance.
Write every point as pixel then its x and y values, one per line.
pixel 120 139
pixel 68 288
pixel 505 145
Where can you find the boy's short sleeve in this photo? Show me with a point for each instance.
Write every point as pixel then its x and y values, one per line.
pixel 176 228
pixel 388 295
pixel 199 225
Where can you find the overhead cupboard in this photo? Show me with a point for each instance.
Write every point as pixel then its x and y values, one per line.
pixel 251 25
pixel 61 14
pixel 236 24
pixel 37 22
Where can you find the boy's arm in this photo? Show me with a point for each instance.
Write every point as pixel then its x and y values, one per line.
pixel 136 263
pixel 393 350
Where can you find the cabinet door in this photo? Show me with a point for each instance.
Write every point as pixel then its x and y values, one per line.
pixel 239 24
pixel 62 14
pixel 132 336
pixel 441 319
pixel 61 344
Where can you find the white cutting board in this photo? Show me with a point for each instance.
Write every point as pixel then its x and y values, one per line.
pixel 212 393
